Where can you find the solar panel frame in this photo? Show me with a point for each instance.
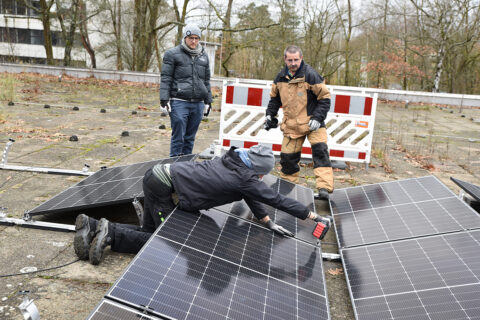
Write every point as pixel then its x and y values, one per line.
pixel 109 186
pixel 468 187
pixel 398 210
pixel 184 241
pixel 111 310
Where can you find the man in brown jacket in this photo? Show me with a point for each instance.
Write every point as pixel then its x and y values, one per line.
pixel 305 100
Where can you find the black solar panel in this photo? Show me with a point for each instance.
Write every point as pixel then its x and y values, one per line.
pixel 301 228
pixel 468 187
pixel 211 265
pixel 398 210
pixel 105 187
pixel 435 277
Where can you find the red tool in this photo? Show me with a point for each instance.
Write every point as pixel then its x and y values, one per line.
pixel 320 231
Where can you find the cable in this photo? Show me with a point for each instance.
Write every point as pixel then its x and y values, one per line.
pixel 21 274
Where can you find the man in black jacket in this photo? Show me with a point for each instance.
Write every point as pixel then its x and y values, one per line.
pixel 198 185
pixel 185 89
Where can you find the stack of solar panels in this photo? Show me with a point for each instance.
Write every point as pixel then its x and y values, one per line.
pixel 410 249
pixel 218 264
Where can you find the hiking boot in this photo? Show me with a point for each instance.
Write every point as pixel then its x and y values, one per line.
pixel 323 225
pixel 84 232
pixel 322 194
pixel 103 238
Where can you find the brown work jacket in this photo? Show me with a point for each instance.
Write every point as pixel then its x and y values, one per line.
pixel 302 97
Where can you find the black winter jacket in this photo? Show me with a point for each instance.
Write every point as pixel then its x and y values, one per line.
pixel 207 184
pixel 185 78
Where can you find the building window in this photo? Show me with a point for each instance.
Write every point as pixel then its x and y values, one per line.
pixel 18 7
pixel 36 37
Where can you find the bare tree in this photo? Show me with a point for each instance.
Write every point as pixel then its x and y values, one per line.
pixel 440 19
pixel 68 19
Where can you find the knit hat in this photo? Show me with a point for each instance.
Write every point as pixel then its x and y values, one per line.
pixel 262 158
pixel 191 29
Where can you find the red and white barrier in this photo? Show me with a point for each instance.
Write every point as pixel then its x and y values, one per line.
pixel 349 123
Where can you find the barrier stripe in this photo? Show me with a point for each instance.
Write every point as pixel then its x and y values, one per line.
pixel 259 97
pixel 305 150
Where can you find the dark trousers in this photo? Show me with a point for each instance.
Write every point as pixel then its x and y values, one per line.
pixel 157 205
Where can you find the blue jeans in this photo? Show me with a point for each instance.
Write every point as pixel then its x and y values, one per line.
pixel 185 117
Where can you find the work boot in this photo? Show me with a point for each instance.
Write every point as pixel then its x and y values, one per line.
pixel 103 238
pixel 327 222
pixel 84 232
pixel 322 194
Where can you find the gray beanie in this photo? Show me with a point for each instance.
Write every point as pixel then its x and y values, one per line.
pixel 191 29
pixel 262 158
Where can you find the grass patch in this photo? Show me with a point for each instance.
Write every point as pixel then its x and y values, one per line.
pixel 8 85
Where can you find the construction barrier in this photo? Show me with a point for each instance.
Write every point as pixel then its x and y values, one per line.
pixel 349 122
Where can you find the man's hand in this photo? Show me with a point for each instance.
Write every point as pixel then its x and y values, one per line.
pixel 270 123
pixel 206 110
pixel 165 107
pixel 278 229
pixel 313 124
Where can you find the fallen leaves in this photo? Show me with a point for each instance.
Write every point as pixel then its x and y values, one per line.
pixel 335 272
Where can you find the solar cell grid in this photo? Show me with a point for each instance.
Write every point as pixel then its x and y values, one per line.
pixel 398 210
pixel 435 277
pixel 105 187
pixel 213 266
pixel 302 228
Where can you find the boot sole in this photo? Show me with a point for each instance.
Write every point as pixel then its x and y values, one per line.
pixel 98 244
pixel 82 238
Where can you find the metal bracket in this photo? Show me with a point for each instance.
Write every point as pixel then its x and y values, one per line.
pixel 331 256
pixel 139 210
pixel 28 308
pixel 28 222
pixel 5 152
pixel 3 165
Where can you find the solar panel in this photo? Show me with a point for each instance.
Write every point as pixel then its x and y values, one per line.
pixel 302 228
pixel 468 187
pixel 212 265
pixel 105 187
pixel 434 277
pixel 398 210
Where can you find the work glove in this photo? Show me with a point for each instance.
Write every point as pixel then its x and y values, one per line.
pixel 278 229
pixel 270 123
pixel 165 107
pixel 206 110
pixel 313 124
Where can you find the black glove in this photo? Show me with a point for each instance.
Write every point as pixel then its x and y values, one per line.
pixel 270 123
pixel 278 229
pixel 206 110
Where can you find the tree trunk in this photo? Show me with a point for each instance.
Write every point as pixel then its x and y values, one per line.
pixel 227 39
pixel 439 68
pixel 180 18
pixel 47 34
pixel 118 33
pixel 84 33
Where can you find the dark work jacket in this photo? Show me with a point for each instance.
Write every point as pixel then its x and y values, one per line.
pixel 185 78
pixel 207 184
